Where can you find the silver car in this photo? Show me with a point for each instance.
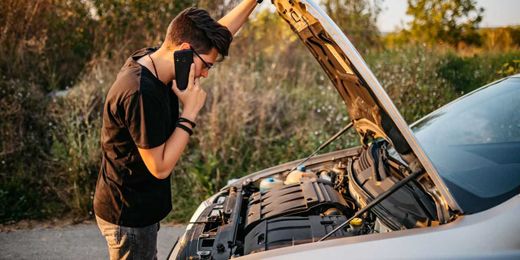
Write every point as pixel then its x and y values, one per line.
pixel 446 187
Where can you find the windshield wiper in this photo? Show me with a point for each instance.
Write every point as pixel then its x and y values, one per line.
pixel 334 137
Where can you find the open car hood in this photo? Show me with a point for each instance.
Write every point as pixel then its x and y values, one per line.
pixel 372 112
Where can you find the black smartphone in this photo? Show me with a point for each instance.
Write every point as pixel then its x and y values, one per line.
pixel 183 60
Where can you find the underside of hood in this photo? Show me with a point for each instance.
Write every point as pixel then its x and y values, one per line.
pixel 370 109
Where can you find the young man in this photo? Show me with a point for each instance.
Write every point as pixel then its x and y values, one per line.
pixel 143 135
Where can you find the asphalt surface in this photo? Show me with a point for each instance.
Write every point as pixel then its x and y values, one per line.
pixel 82 241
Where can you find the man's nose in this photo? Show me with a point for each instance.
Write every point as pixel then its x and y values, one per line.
pixel 204 73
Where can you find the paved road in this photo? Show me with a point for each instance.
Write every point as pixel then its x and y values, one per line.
pixel 82 241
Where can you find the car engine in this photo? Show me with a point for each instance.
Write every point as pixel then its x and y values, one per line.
pixel 294 214
pixel 303 205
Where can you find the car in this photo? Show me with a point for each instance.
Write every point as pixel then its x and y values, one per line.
pixel 445 187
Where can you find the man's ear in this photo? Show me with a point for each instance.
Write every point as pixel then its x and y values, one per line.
pixel 184 46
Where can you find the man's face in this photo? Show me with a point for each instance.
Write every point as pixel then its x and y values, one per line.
pixel 203 62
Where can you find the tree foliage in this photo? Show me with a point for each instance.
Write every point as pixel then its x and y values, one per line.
pixel 46 42
pixel 130 24
pixel 448 21
pixel 502 38
pixel 217 8
pixel 357 18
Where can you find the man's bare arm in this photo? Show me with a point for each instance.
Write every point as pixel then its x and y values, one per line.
pixel 238 15
pixel 161 160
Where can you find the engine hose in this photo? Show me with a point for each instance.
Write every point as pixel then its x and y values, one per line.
pixel 378 199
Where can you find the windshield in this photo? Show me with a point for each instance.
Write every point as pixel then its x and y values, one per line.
pixel 474 143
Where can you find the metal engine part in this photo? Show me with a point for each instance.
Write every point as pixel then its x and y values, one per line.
pixel 309 197
pixel 286 231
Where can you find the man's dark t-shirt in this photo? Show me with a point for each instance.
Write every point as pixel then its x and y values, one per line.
pixel 140 111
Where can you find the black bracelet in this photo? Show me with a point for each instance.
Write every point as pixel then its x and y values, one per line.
pixel 183 119
pixel 185 128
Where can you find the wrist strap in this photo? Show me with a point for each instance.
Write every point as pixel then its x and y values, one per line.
pixel 183 119
pixel 185 128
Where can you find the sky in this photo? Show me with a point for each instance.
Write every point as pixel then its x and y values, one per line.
pixel 496 13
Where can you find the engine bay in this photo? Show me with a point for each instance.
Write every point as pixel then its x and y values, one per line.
pixel 292 207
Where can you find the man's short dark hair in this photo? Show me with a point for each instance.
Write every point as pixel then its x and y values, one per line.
pixel 195 26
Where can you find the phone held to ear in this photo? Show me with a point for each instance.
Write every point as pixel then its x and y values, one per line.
pixel 183 60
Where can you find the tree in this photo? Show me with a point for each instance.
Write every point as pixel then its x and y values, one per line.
pixel 217 8
pixel 357 18
pixel 448 21
pixel 132 24
pixel 501 38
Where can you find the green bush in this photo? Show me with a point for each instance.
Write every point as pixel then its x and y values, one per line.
pixel 465 74
pixel 76 151
pixel 409 76
pixel 23 143
pixel 46 42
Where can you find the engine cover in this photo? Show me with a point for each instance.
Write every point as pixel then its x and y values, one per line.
pixel 286 231
pixel 309 197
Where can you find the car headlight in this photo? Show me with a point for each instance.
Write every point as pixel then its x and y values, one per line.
pixel 180 241
pixel 199 210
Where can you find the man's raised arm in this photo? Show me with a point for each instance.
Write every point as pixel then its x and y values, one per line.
pixel 238 16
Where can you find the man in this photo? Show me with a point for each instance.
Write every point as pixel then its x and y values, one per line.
pixel 143 136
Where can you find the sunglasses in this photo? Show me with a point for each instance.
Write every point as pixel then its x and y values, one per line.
pixel 208 65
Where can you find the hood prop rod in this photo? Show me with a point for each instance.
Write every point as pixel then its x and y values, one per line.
pixel 378 199
pixel 334 137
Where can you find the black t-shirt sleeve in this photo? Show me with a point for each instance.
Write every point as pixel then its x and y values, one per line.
pixel 145 118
